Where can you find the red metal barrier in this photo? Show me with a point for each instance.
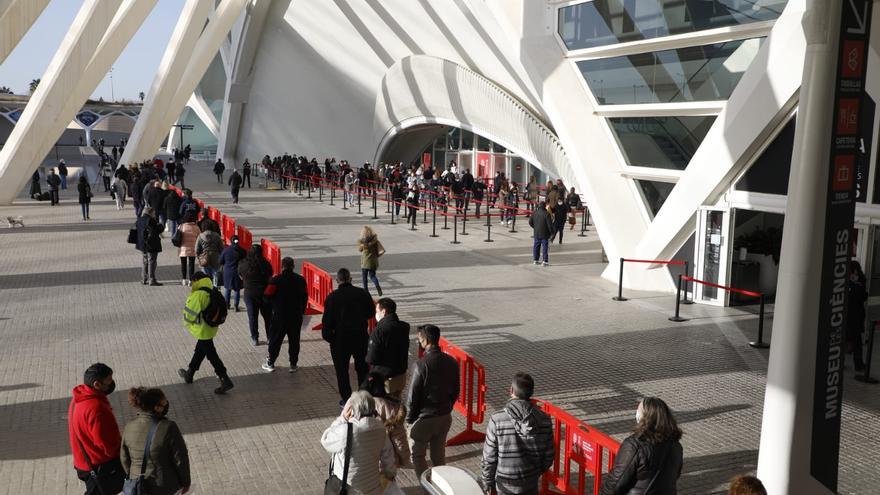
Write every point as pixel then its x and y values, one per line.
pixel 227 230
pixel 472 393
pixel 245 238
pixel 578 443
pixel 272 254
pixel 214 214
pixel 319 285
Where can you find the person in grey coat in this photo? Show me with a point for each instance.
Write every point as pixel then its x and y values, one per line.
pixel 542 228
pixel 519 443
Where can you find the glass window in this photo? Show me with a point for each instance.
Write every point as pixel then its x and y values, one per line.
pixel 465 161
pixel 697 73
pixel 769 173
pixel 660 142
pixel 654 193
pixel 605 22
pixel 454 135
pixel 467 140
pixel 440 142
pixel 497 148
pixel 483 144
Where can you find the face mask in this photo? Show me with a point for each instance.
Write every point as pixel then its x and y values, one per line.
pixel 379 316
pixel 638 416
pixel 110 388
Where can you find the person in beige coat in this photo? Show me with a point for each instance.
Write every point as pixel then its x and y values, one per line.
pixel 393 413
pixel 190 233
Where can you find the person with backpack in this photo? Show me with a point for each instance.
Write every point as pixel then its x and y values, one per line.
pixel 84 190
pixel 288 297
pixel 62 171
pixel 204 312
pixel 209 246
pixel 229 259
pixel 164 470
pixel 188 206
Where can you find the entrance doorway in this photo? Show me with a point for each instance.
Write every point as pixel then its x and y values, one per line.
pixel 714 227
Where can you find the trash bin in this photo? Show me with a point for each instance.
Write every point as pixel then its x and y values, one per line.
pixel 450 480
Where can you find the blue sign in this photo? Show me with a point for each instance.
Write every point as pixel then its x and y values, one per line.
pixel 14 115
pixel 87 118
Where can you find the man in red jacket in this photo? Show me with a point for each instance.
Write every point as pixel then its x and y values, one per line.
pixel 94 434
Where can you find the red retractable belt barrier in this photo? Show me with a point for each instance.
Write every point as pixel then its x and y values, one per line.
pixel 272 254
pixel 214 214
pixel 227 229
pixel 245 238
pixel 619 296
pixel 471 395
pixel 576 443
pixel 319 285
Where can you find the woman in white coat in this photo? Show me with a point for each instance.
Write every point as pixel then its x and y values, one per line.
pixel 371 452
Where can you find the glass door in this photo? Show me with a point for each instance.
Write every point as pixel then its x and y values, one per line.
pixel 714 229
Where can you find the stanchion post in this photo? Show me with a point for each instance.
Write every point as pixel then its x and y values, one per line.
pixel 332 193
pixel 455 229
pixel 375 200
pixel 677 316
pixel 359 201
pixel 488 219
pixel 309 190
pixel 619 296
pixel 513 221
pixel 583 224
pixel 760 344
pixel 425 213
pixel 488 231
pixel 464 223
pixel 587 213
pixel 415 215
pixel 445 221
pixel 687 273
pixel 865 377
pixel 320 190
pixel 392 215
pixel 388 200
pixel 434 223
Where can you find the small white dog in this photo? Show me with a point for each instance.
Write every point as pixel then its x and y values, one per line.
pixel 14 222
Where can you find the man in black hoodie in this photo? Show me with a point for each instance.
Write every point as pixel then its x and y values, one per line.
pixel 519 443
pixel 234 183
pixel 388 350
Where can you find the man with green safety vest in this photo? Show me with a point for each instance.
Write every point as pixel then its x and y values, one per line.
pixel 202 317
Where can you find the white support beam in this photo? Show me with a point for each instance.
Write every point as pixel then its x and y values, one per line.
pixel 198 105
pixel 16 17
pixel 174 63
pixel 26 146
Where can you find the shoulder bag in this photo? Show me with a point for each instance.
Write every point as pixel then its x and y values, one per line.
pixel 333 485
pixel 107 478
pixel 136 486
pixel 659 468
pixel 177 238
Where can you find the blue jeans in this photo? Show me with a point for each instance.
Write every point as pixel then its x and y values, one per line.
pixel 173 228
pixel 85 210
pixel 372 275
pixel 237 296
pixel 538 245
pixel 211 272
pixel 255 308
pixel 63 182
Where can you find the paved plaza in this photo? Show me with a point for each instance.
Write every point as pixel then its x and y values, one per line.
pixel 70 295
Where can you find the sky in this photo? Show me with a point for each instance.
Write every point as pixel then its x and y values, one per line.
pixel 132 73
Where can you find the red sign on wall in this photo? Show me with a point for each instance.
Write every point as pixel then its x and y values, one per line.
pixel 484 165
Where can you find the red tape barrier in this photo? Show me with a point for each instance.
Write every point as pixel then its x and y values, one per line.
pixel 729 289
pixel 227 230
pixel 245 238
pixel 471 401
pixel 580 444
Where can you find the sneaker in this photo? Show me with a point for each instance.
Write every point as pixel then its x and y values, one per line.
pixel 546 263
pixel 144 282
pixel 293 369
pixel 536 262
pixel 254 342
pixel 183 282
pixel 267 366
pixel 225 385
pixel 186 374
pixel 154 283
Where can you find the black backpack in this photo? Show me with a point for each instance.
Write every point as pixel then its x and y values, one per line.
pixel 215 314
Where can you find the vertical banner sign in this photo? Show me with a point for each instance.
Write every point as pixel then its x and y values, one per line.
pixel 855 28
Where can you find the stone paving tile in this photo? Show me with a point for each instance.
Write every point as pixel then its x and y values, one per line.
pixel 69 295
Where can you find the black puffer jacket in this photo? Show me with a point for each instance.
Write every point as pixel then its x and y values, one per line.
pixel 541 223
pixel 388 351
pixel 435 385
pixel 636 464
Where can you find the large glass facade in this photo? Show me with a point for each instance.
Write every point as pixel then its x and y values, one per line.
pixel 660 142
pixel 697 73
pixel 654 194
pixel 606 22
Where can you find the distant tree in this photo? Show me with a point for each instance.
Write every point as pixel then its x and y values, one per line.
pixel 101 99
pixel 141 95
pixel 4 90
pixel 34 84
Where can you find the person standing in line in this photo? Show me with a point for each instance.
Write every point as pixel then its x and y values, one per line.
pixel 35 191
pixel 94 433
pixel 229 259
pixel 412 203
pixel 287 297
pixel 651 457
pixel 209 245
pixel 172 170
pixel 197 314
pixel 388 349
pixel 246 173
pixel 84 191
pixel 179 174
pixel 371 249
pixel 574 205
pixel 434 388
pixel 347 311
pixel 219 167
pixel 393 413
pixel 149 243
pixel 255 271
pixel 208 223
pixel 187 252
pixel 167 464
pixel 171 206
pixel 62 171
pixel 746 485
pixel 542 227
pixel 54 182
pixel 560 216
pixel 519 443
pixel 120 190
pixel 106 172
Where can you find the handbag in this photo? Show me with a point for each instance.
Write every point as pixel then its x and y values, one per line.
pixel 133 235
pixel 177 238
pixel 107 478
pixel 333 485
pixel 136 486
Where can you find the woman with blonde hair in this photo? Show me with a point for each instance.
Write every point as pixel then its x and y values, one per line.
pixel 371 249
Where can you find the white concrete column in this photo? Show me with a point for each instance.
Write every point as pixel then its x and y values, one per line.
pixel 171 69
pixel 16 17
pixel 198 105
pixel 26 146
pixel 786 430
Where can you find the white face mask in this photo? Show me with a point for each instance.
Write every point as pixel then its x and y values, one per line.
pixel 639 414
pixel 379 316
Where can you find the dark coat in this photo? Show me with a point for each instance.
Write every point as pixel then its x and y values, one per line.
pixel 288 297
pixel 148 240
pixel 434 385
pixel 560 214
pixel 388 351
pixel 635 465
pixel 219 167
pixel 187 205
pixel 255 274
pixel 541 224
pixel 168 463
pixel 155 198
pixel 346 313
pixel 171 206
pixel 85 192
pixel 235 180
pixel 53 181
pixel 230 258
